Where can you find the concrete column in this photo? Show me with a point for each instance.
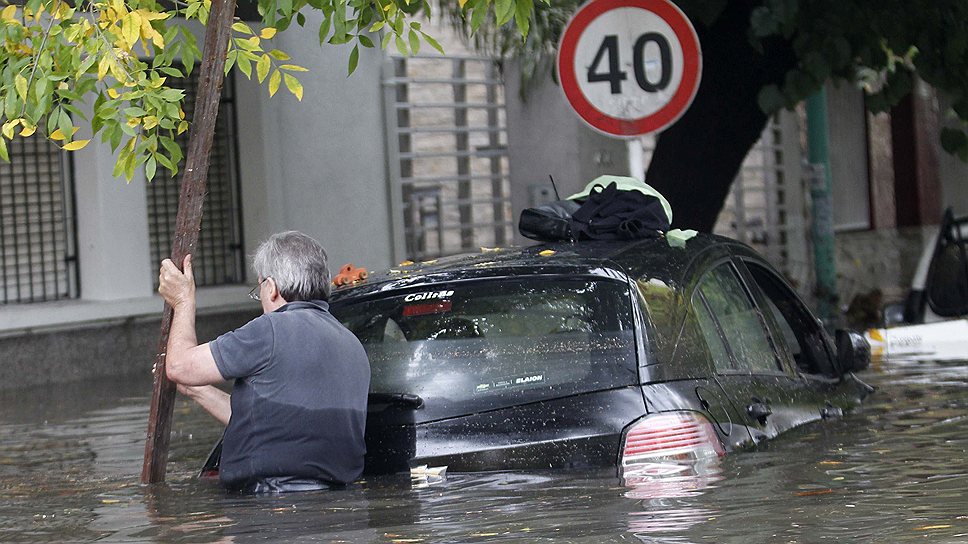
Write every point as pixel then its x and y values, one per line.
pixel 112 228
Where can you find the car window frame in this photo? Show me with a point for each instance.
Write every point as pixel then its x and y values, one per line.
pixel 762 299
pixel 781 367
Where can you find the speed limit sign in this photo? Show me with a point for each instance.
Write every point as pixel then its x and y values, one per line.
pixel 629 67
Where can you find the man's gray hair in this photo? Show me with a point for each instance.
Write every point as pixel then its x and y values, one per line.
pixel 297 263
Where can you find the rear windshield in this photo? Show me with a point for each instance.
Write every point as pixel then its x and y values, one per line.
pixel 469 346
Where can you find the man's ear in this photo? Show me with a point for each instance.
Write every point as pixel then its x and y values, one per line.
pixel 274 293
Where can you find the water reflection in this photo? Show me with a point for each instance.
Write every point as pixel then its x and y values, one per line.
pixel 896 471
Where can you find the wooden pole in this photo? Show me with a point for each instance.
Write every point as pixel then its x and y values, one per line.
pixel 188 221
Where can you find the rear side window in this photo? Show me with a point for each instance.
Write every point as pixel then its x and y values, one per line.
pixel 727 307
pixel 476 345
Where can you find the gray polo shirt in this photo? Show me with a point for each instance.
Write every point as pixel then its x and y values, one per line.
pixel 299 401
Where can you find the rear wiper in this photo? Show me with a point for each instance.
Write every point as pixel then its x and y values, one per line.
pixel 408 400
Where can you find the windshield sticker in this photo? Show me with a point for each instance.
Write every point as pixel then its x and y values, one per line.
pixel 428 295
pixel 505 383
pixel 440 307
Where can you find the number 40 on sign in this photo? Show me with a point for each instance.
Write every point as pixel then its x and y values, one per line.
pixel 629 67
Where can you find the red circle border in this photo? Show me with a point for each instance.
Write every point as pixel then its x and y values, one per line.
pixel 665 116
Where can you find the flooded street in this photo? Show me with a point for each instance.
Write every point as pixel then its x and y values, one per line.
pixel 897 471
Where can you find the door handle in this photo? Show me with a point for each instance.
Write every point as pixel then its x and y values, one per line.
pixel 758 410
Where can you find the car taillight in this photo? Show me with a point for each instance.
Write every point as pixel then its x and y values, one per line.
pixel 660 444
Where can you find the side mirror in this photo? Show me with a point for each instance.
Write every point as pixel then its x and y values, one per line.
pixel 853 351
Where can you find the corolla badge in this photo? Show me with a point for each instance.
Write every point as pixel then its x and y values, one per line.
pixel 429 295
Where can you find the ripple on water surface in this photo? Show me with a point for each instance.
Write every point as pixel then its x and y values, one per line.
pixel 896 471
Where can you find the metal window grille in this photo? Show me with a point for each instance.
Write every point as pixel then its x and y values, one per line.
pixel 764 206
pixel 448 151
pixel 38 244
pixel 218 259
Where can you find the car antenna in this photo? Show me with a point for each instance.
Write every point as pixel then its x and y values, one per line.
pixel 553 186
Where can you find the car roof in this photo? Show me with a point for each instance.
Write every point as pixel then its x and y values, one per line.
pixel 652 258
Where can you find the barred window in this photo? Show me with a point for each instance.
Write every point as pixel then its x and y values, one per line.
pixel 218 259
pixel 37 229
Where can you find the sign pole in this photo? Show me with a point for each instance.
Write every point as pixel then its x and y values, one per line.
pixel 636 159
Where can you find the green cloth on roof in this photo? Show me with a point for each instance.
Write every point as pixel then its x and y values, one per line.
pixel 678 237
pixel 625 183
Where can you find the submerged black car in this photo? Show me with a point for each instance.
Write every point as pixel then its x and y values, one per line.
pixel 591 354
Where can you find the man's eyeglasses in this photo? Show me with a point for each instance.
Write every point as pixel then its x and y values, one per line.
pixel 254 293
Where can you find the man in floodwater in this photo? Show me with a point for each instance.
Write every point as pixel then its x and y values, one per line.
pixel 297 411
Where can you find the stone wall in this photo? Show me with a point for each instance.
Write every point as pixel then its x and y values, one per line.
pixel 884 259
pixel 106 349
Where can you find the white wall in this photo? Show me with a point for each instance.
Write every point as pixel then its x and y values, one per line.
pixel 847 122
pixel 112 227
pixel 546 137
pixel 319 165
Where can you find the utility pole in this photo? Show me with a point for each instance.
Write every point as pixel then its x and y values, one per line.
pixel 822 226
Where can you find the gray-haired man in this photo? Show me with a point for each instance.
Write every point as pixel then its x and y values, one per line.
pixel 297 412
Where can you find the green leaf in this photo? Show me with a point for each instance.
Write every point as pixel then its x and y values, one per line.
pixel 300 19
pixel 433 43
pixel 274 81
pixel 387 36
pixel 522 15
pixel 230 60
pixel 293 68
pixel 164 161
pixel 188 61
pixel 172 147
pixel 294 86
pixel 245 66
pixel 279 55
pixel 504 10
pixel 150 168
pixel 262 68
pixel 414 41
pixel 20 83
pixel 354 60
pixel 242 28
pixel 401 46
pixel 42 88
pixel 478 16
pixel 324 29
pixel 119 164
pixel 4 154
pixel 366 41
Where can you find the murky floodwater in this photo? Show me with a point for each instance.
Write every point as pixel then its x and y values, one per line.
pixel 70 458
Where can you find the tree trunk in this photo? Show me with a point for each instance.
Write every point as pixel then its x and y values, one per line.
pixel 697 158
pixel 188 222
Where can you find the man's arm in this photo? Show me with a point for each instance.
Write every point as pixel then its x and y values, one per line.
pixel 211 398
pixel 186 363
